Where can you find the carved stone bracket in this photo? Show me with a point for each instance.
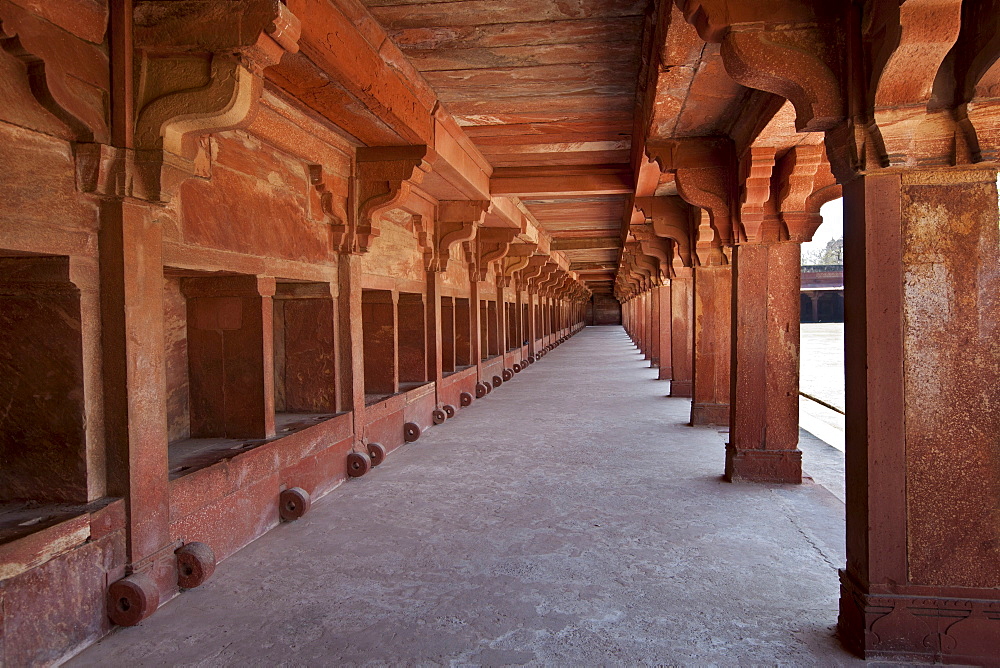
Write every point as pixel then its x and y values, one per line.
pixel 545 269
pixel 327 200
pixel 797 63
pixel 660 249
pixel 917 64
pixel 201 71
pixel 754 207
pixel 494 243
pixel 708 246
pixel 805 165
pixel 789 49
pixel 457 222
pixel 518 257
pixel 384 178
pixel 67 76
pixel 532 271
pixel 671 219
pixel 705 173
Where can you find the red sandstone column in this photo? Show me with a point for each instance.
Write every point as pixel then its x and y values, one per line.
pixel 712 316
pixel 633 315
pixel 532 333
pixel 654 328
pixel 432 319
pixel 644 328
pixel 475 330
pixel 922 288
pixel 131 270
pixel 639 323
pixel 647 326
pixel 351 338
pixel 518 318
pixel 764 424
pixel 627 317
pixel 682 333
pixel 664 331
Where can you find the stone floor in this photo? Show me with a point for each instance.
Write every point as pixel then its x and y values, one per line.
pixel 571 517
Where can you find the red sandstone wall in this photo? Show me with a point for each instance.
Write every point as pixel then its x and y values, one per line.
pixel 604 310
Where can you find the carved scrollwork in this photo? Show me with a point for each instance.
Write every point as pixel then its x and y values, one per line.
pixel 384 178
pixel 794 63
pixel 457 223
pixel 494 243
pixel 200 74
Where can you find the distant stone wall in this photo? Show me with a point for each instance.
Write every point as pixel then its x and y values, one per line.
pixel 604 310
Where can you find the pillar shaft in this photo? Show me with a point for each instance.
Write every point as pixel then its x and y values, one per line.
pixel 712 316
pixel 131 271
pixel 682 334
pixel 654 330
pixel 764 424
pixel 664 331
pixel 923 414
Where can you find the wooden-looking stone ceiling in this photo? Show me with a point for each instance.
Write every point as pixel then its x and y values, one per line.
pixel 549 87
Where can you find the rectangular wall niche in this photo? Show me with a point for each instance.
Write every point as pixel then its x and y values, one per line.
pixel 43 453
pixel 463 334
pixel 525 324
pixel 378 322
pixel 305 378
pixel 412 340
pixel 218 337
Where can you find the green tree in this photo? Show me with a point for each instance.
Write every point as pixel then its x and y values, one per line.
pixel 832 253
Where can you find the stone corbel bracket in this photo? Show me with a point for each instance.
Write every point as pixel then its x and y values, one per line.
pixel 555 282
pixel 655 247
pixel 545 269
pixel 798 64
pixel 518 256
pixel 789 49
pixel 708 246
pixel 67 76
pixel 532 271
pixel 457 222
pixel 671 219
pixel 976 68
pixel 905 101
pixel 645 264
pixel 494 242
pixel 424 234
pixel 705 173
pixel 756 203
pixel 910 41
pixel 384 178
pixel 803 167
pixel 326 205
pixel 200 72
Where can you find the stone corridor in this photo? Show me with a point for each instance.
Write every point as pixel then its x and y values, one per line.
pixel 572 517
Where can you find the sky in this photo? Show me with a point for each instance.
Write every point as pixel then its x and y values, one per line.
pixel 831 228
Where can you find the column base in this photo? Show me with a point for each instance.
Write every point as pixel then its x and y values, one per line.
pixel 782 466
pixel 681 388
pixel 665 373
pixel 921 626
pixel 710 414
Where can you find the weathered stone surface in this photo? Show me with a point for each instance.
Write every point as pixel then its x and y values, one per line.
pixel 43 441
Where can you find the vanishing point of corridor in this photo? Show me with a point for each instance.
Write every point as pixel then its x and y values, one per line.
pixel 572 517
